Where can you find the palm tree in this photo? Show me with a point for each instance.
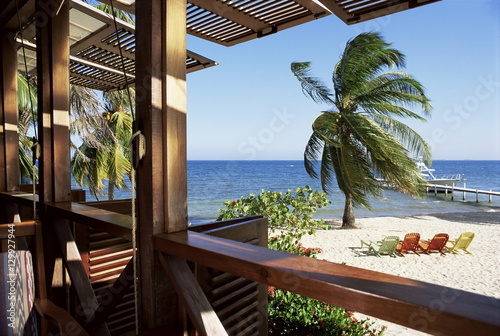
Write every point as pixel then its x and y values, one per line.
pixel 359 136
pixel 104 153
pixel 27 107
pixel 108 157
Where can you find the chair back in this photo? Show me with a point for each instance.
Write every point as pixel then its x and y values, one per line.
pixel 438 242
pixel 410 242
pixel 389 244
pixel 464 241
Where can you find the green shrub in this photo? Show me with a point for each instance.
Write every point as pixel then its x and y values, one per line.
pixel 290 214
pixel 292 314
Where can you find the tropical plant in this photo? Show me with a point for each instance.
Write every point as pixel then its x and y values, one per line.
pixel 108 158
pixel 289 213
pixel 27 109
pixel 359 135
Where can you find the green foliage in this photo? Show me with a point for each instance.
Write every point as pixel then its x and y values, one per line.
pixel 292 314
pixel 289 213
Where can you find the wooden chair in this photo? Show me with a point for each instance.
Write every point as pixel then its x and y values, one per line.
pixel 386 246
pixel 462 243
pixel 18 290
pixel 409 244
pixel 437 243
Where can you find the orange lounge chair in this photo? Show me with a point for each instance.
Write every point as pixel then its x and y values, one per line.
pixel 437 243
pixel 409 244
pixel 462 243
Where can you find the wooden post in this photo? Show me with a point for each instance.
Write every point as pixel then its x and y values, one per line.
pixel 53 102
pixel 9 137
pixel 162 174
pixel 52 54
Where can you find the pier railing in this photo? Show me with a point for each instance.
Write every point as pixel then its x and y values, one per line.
pixel 437 188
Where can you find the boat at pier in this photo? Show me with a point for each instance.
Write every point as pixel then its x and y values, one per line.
pixel 444 180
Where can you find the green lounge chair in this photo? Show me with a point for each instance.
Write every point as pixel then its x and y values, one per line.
pixel 462 243
pixel 386 246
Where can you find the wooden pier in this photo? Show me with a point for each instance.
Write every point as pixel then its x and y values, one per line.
pixel 435 188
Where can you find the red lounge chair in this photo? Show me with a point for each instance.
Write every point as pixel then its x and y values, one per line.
pixel 436 244
pixel 409 244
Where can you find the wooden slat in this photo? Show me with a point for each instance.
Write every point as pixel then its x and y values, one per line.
pixel 116 293
pixel 416 304
pixel 199 309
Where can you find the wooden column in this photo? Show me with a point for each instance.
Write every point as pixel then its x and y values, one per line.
pixel 53 101
pixel 162 174
pixel 52 39
pixel 9 137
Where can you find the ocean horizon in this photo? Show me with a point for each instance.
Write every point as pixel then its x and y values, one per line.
pixel 212 182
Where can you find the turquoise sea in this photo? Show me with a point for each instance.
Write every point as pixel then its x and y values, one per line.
pixel 210 183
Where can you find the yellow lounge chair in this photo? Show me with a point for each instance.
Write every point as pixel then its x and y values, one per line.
pixel 462 243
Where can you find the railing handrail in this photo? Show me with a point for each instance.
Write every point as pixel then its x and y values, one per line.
pixel 419 305
pixel 416 304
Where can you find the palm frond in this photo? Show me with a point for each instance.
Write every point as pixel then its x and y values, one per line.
pixel 311 86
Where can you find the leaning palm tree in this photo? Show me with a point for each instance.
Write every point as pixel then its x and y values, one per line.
pixel 359 137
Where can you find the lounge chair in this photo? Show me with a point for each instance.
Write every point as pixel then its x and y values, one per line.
pixel 17 273
pixel 462 243
pixel 437 243
pixel 409 244
pixel 386 246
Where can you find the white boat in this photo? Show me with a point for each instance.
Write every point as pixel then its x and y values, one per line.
pixel 445 180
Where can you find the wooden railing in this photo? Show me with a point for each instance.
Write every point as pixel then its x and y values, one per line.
pixel 419 305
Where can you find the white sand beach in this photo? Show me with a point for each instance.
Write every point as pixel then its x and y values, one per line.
pixel 478 272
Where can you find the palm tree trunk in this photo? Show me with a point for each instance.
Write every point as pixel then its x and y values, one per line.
pixel 348 220
pixel 111 190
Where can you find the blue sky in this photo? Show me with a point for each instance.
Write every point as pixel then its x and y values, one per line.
pixel 250 106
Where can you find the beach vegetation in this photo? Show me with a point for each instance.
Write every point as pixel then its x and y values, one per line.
pixel 289 214
pixel 290 217
pixel 361 136
pixel 292 314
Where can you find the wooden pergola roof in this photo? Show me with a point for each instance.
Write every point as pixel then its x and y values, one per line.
pixel 97 62
pixel 229 22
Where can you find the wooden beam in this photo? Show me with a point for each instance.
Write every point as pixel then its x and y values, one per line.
pixel 150 171
pixel 419 305
pixel 53 102
pixel 174 121
pixel 9 137
pixel 88 302
pixel 199 309
pixel 114 223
